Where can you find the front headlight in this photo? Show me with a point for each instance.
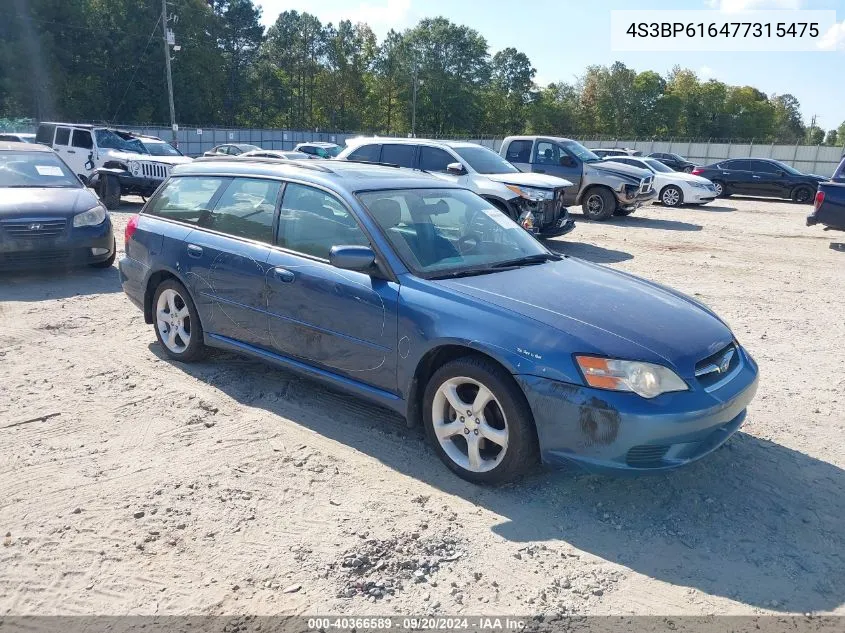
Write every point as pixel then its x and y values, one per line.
pixel 91 217
pixel 697 185
pixel 532 193
pixel 134 167
pixel 645 379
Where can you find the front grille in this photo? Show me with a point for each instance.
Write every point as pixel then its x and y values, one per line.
pixel 157 171
pixel 33 229
pixel 645 184
pixel 714 369
pixel 646 455
pixel 32 258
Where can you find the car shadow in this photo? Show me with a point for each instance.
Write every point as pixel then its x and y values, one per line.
pixel 755 522
pixel 632 221
pixel 590 252
pixel 708 207
pixel 40 285
pixel 765 199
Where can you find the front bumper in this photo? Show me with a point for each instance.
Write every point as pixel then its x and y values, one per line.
pixel 564 225
pixel 699 196
pixel 616 432
pixel 72 247
pixel 130 184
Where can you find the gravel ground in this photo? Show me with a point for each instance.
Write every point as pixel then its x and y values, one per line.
pixel 228 487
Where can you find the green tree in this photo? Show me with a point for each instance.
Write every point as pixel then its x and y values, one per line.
pixel 815 135
pixel 509 93
pixel 832 138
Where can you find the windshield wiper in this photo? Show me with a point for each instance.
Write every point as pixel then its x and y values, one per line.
pixel 528 260
pixel 471 272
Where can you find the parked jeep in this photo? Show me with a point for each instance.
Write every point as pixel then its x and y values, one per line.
pixel 602 188
pixel 532 200
pixel 116 162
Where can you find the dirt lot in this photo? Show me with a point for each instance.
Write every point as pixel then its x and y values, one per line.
pixel 230 487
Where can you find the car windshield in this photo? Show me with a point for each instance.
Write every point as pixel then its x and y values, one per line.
pixel 107 139
pixel 485 161
pixel 788 169
pixel 159 148
pixel 839 174
pixel 580 152
pixel 328 152
pixel 678 158
pixel 656 165
pixel 442 233
pixel 35 169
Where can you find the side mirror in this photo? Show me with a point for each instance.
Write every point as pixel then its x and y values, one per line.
pixel 567 161
pixel 357 258
pixel 456 168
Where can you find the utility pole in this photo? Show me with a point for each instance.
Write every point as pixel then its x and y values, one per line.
pixel 414 110
pixel 167 66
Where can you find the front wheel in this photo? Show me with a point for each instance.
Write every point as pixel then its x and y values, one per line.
pixel 478 421
pixel 721 189
pixel 110 192
pixel 802 195
pixel 598 204
pixel 671 196
pixel 177 322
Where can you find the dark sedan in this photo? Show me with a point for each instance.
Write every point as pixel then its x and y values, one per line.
pixel 760 177
pixel 47 216
pixel 678 163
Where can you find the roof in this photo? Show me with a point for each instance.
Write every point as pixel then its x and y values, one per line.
pixel 8 146
pixel 361 140
pixel 346 176
pixel 529 137
pixel 84 126
pixel 318 144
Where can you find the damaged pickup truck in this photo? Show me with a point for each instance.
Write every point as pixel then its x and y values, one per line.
pixel 603 189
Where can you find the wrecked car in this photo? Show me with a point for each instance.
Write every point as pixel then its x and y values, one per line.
pixel 414 293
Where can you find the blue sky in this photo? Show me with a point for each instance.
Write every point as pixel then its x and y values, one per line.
pixel 563 37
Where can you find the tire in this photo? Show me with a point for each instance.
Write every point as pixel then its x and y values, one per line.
pixel 506 416
pixel 624 212
pixel 802 195
pixel 107 263
pixel 176 348
pixel 688 169
pixel 110 192
pixel 721 189
pixel 598 204
pixel 671 196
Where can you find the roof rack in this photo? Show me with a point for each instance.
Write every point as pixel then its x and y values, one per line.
pixel 270 161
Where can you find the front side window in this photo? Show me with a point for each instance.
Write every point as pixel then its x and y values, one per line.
pixel 311 221
pixel 82 138
pixel 402 155
pixel 34 170
pixel 547 153
pixel 62 136
pixel 246 209
pixel 441 231
pixel 186 199
pixel 435 159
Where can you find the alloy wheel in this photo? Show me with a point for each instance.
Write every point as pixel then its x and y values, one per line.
pixel 470 424
pixel 173 320
pixel 671 197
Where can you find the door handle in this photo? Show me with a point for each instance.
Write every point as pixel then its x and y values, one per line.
pixel 283 275
pixel 194 251
pixel 71 151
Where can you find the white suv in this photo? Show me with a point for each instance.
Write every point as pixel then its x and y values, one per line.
pixel 115 161
pixel 533 200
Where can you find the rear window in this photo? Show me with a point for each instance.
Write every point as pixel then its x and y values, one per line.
pixel 187 199
pixel 45 134
pixel 367 153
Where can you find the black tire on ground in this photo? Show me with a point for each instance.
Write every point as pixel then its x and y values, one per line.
pixel 688 169
pixel 598 204
pixel 110 192
pixel 623 212
pixel 721 189
pixel 107 263
pixel 522 452
pixel 671 196
pixel 802 195
pixel 195 349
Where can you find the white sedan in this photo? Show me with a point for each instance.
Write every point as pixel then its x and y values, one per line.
pixel 674 188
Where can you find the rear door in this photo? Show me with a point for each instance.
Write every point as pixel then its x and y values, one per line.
pixel 339 320
pixel 737 174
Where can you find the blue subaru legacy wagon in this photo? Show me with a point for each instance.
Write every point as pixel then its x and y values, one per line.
pixel 418 295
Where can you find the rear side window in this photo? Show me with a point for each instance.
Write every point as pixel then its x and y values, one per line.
pixel 312 221
pixel 62 136
pixel 764 167
pixel 368 153
pixel 82 138
pixel 187 199
pixel 738 165
pixel 402 155
pixel 245 209
pixel 435 159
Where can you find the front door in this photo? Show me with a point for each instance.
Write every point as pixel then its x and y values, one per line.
pixel 547 158
pixel 342 321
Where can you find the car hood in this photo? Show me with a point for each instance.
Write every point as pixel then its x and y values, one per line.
pixel 635 174
pixel 167 160
pixel 530 180
pixel 604 311
pixel 44 202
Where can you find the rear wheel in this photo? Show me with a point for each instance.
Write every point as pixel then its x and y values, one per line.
pixel 671 196
pixel 688 169
pixel 598 204
pixel 177 323
pixel 110 192
pixel 478 421
pixel 802 195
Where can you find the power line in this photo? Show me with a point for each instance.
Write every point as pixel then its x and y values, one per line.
pixel 137 66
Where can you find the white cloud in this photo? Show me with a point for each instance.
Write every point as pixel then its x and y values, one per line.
pixel 381 15
pixel 737 6
pixel 834 38
pixel 705 72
